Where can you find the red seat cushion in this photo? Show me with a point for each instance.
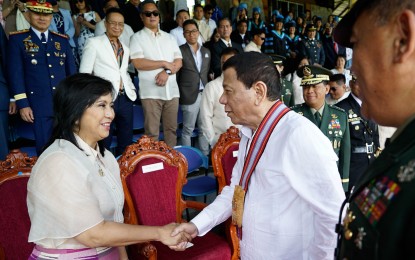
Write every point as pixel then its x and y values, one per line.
pixel 14 219
pixel 228 162
pixel 208 247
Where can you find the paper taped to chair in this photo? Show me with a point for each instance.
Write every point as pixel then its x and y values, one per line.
pixel 235 153
pixel 152 167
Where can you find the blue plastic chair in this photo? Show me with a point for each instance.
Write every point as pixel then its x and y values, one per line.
pixel 198 185
pixel 196 161
pixel 138 122
pixel 22 135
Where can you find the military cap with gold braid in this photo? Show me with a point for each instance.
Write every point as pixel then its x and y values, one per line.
pixel 277 59
pixel 312 75
pixel 39 6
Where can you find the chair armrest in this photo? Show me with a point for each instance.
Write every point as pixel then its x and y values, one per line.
pixel 195 205
pixel 233 239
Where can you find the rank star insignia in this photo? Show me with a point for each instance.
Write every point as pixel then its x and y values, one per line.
pixel 58 46
pixel 406 172
pixel 61 63
pixel 359 237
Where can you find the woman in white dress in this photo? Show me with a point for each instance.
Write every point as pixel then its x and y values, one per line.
pixel 74 195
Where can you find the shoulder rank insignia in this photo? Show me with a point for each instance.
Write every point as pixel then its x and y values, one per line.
pixel 336 107
pixel 60 34
pixel 19 32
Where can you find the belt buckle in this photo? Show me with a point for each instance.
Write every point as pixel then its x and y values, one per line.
pixel 369 148
pixel 121 92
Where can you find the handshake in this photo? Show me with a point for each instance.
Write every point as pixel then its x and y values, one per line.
pixel 176 236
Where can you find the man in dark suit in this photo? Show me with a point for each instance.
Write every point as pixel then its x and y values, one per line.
pixel 331 48
pixel 241 35
pixel 364 136
pixel 224 30
pixel 6 107
pixel 132 15
pixel 192 78
pixel 331 120
pixel 379 221
pixel 38 59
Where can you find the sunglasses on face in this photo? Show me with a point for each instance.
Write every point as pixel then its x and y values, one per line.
pixel 262 38
pixel 333 89
pixel 154 13
pixel 209 13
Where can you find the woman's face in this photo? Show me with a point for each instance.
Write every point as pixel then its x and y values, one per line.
pixel 95 122
pixel 80 4
pixel 340 62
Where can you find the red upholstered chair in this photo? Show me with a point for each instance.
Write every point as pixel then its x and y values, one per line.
pixel 14 217
pixel 153 175
pixel 224 156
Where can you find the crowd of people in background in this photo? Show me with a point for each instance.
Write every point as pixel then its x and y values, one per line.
pixel 292 40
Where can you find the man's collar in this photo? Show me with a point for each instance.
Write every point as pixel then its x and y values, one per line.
pixel 147 30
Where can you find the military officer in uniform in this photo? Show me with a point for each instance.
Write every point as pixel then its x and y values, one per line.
pixel 331 120
pixel 364 136
pixel 38 60
pixel 312 48
pixel 379 221
pixel 287 93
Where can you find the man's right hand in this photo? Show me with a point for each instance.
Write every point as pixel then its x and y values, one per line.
pixel 188 228
pixel 27 114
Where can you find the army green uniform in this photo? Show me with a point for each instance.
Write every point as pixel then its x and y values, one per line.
pixel 287 93
pixel 380 221
pixel 335 126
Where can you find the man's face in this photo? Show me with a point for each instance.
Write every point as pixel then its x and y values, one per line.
pixel 354 87
pixel 279 26
pixel 208 14
pixel 114 23
pixel 135 2
pixel 224 58
pixel 40 21
pixel 151 22
pixel 225 29
pixel 328 30
pixel 242 28
pixel 314 95
pixel 198 15
pixel 259 39
pixel 336 91
pixel 111 4
pixel 181 17
pixel 191 33
pixel 372 67
pixel 311 34
pixel 239 101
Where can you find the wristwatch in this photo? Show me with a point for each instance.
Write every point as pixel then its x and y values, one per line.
pixel 168 72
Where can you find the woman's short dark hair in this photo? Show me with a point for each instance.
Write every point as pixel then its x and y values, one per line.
pixel 252 67
pixel 73 96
